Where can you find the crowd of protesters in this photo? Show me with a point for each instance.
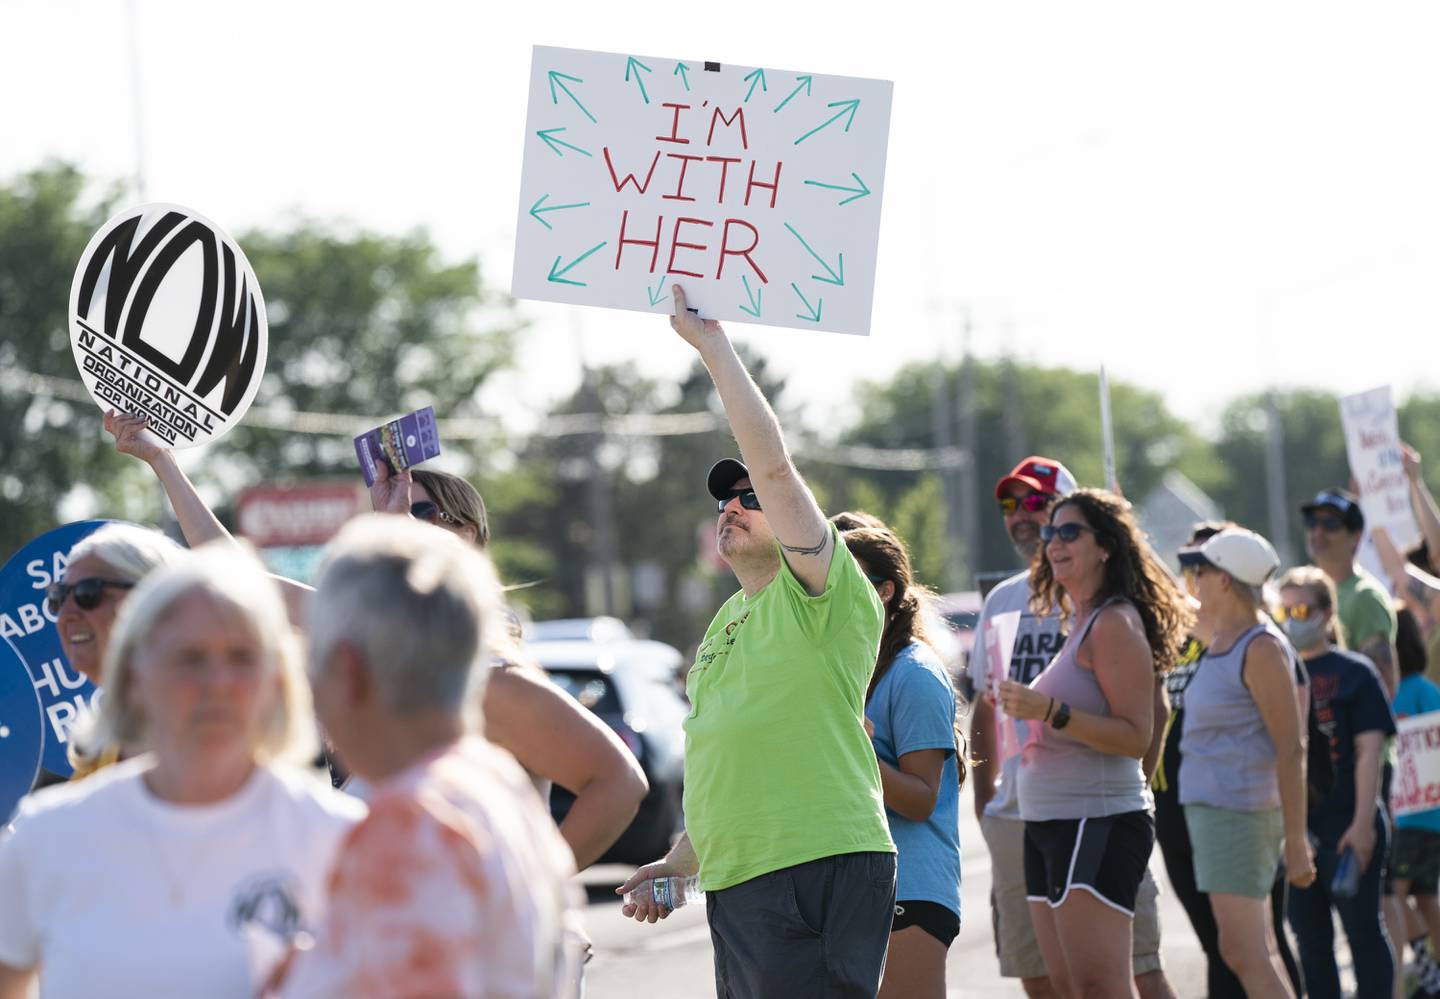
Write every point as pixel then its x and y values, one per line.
pixel 1239 717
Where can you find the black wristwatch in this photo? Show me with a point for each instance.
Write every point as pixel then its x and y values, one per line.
pixel 1062 716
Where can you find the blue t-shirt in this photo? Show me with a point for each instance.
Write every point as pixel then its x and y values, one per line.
pixel 1349 699
pixel 1417 696
pixel 913 708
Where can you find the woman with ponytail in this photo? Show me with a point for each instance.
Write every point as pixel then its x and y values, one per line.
pixel 911 717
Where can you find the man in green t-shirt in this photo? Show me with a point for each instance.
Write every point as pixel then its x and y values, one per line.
pixel 784 812
pixel 1334 525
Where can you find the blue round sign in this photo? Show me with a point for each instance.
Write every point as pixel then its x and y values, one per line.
pixel 21 738
pixel 65 696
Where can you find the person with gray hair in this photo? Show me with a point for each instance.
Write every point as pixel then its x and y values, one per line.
pixel 1242 754
pixel 189 868
pixel 458 860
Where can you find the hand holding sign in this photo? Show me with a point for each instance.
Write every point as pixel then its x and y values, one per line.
pixel 132 437
pixel 693 330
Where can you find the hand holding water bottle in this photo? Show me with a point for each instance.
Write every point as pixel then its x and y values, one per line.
pixel 647 905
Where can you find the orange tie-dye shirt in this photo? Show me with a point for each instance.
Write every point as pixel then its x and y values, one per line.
pixel 456 884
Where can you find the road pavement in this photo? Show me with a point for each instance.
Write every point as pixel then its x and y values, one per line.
pixel 672 958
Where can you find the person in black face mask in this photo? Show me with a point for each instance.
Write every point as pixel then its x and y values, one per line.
pixel 1348 825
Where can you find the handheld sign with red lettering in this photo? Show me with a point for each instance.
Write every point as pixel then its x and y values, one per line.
pixel 757 189
pixel 167 321
pixel 1416 787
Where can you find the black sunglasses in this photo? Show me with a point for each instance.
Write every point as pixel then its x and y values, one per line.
pixel 1328 524
pixel 1065 532
pixel 88 593
pixel 429 512
pixel 747 498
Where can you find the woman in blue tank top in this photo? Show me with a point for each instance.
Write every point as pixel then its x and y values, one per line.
pixel 1082 790
pixel 1242 755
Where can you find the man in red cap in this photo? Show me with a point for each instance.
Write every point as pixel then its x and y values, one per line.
pixel 1026 497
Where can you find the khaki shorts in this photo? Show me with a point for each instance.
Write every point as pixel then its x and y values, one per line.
pixel 1015 943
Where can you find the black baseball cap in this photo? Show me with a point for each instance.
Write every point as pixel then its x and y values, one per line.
pixel 1342 503
pixel 722 477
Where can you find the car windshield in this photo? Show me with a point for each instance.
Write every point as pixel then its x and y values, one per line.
pixel 593 690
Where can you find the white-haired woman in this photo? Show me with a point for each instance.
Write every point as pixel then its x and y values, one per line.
pixel 182 870
pixel 101 570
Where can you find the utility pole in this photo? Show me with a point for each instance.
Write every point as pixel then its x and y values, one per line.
pixel 1275 486
pixel 942 433
pixel 969 505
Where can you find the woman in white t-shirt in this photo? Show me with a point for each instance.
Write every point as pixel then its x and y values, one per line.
pixel 185 870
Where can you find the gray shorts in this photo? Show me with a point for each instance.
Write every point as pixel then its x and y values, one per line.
pixel 815 929
pixel 1235 852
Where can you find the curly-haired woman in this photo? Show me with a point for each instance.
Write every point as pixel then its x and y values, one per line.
pixel 1088 826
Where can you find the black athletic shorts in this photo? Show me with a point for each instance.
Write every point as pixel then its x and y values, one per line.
pixel 1106 857
pixel 932 917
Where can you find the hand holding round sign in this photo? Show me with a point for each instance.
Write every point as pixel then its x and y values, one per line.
pixel 167 322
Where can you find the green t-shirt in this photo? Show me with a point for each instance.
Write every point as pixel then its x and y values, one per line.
pixel 778 768
pixel 1365 610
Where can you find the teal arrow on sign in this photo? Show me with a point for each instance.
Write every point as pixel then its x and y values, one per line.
pixel 536 211
pixel 846 107
pixel 755 76
pixel 835 278
pixel 754 297
pixel 558 79
pixel 814 310
pixel 548 134
pixel 557 273
pixel 635 65
pixel 682 71
pixel 657 294
pixel 801 83
pixel 854 192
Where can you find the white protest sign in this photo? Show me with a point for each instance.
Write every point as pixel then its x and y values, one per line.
pixel 999 645
pixel 756 189
pixel 1372 443
pixel 167 321
pixel 1416 787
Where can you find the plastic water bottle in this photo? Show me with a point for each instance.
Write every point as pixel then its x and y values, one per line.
pixel 673 892
pixel 1346 881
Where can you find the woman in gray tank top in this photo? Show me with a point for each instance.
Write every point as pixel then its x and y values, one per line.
pixel 1081 787
pixel 1242 755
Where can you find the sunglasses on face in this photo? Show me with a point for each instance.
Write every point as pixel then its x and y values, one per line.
pixel 1065 532
pixel 430 513
pixel 1300 612
pixel 88 593
pixel 1032 502
pixel 1327 524
pixel 747 499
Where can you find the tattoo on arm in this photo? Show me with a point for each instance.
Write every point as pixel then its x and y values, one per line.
pixel 814 549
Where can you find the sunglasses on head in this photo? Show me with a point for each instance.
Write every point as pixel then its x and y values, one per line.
pixel 1032 502
pixel 430 513
pixel 1300 612
pixel 747 499
pixel 1328 524
pixel 88 593
pixel 1065 532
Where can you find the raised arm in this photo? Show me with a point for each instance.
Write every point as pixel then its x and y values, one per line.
pixel 1422 501
pixel 794 516
pixel 198 522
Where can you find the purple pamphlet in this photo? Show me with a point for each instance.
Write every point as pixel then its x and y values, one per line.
pixel 402 443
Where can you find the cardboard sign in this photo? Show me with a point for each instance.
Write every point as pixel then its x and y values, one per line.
pixel 167 321
pixel 308 513
pixel 1372 443
pixel 400 443
pixel 1416 787
pixel 21 738
pixel 65 696
pixel 757 189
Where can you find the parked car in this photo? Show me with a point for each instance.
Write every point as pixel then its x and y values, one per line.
pixel 952 628
pixel 583 629
pixel 628 684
